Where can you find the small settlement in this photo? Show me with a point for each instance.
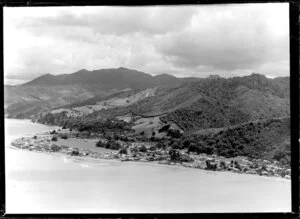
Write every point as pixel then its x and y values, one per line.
pixel 143 152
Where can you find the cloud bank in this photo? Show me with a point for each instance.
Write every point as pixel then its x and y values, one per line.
pixel 228 40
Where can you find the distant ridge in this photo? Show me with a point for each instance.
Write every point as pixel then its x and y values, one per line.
pixel 115 78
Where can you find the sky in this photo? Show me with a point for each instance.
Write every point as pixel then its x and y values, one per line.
pixel 228 40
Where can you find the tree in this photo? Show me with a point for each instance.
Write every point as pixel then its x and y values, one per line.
pixel 55 148
pixel 278 155
pixel 100 144
pixel 111 144
pixel 186 143
pixel 64 136
pixel 143 148
pixel 193 148
pixel 174 133
pixel 162 144
pixel 174 154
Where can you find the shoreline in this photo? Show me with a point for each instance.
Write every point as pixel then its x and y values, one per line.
pixel 112 155
pixel 149 163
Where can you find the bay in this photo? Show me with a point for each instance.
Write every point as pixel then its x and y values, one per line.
pixel 45 183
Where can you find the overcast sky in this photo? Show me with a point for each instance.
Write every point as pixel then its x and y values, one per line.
pixel 229 40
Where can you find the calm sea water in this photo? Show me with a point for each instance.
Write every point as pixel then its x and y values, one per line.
pixel 43 183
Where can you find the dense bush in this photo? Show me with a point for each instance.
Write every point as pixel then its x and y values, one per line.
pixel 54 138
pixel 253 139
pixel 86 123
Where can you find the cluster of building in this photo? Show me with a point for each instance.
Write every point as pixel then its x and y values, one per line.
pixel 136 151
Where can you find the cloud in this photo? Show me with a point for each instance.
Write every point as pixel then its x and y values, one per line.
pixel 116 20
pixel 221 44
pixel 182 40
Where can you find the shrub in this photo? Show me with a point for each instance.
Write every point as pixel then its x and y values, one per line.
pixel 264 167
pixel 153 148
pixel 174 133
pixel 123 151
pixel 162 144
pixel 152 138
pixel 142 133
pixel 116 137
pixel 111 144
pixel 34 137
pixel 174 154
pixel 53 132
pixel 164 128
pixel 75 153
pixel 55 148
pixel 54 138
pixel 64 136
pixel 193 148
pixel 84 134
pixel 177 145
pixel 100 144
pixel 278 155
pixel 237 165
pixel 143 148
pixel 124 138
pixel 186 143
pixel 223 165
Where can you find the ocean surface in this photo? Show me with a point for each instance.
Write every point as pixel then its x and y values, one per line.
pixel 45 183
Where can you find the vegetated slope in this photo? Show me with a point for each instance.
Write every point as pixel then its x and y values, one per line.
pixel 92 101
pixel 23 102
pixel 48 91
pixel 268 139
pixel 213 102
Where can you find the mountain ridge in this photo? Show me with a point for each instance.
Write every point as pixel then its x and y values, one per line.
pixel 52 91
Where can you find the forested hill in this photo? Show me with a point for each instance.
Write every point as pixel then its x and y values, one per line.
pixel 213 102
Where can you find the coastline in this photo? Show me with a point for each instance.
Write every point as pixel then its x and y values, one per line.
pixel 113 156
pixel 87 160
